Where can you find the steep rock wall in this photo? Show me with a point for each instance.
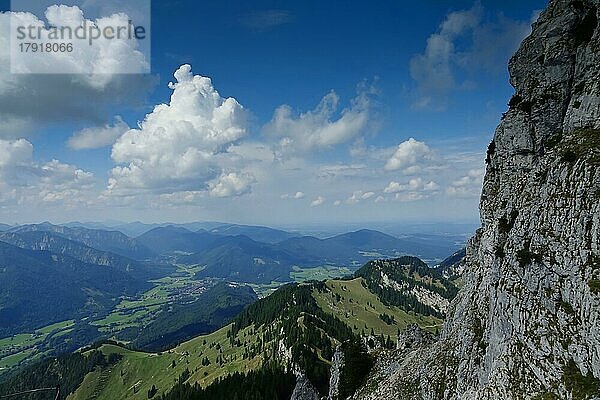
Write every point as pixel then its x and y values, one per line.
pixel 526 324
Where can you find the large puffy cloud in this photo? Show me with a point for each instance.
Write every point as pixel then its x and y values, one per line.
pixel 15 153
pixel 22 180
pixel 319 128
pixel 184 145
pixel 97 63
pixel 15 157
pixel 460 50
pixel 64 183
pixel 410 157
pixel 30 100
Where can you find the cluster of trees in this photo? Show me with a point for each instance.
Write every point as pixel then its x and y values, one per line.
pixel 269 382
pixel 381 340
pixel 388 319
pixel 205 362
pixel 287 306
pixel 66 371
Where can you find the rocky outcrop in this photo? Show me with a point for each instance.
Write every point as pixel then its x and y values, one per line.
pixel 525 323
pixel 304 390
pixel 453 267
pixel 337 363
pixel 413 336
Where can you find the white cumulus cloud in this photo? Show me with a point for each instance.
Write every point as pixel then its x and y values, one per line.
pixel 359 195
pixel 183 145
pixel 410 157
pixel 25 181
pixel 468 185
pixel 231 184
pixel 412 184
pixel 106 57
pixel 320 128
pixel 15 153
pixel 414 189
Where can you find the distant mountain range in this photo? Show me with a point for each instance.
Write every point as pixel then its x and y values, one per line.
pixel 134 229
pixel 171 239
pixel 258 233
pixel 352 248
pixel 235 252
pixel 241 258
pixel 245 259
pixel 428 241
pixel 112 241
pixel 58 244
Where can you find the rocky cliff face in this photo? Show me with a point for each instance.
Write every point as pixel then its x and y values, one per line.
pixel 526 323
pixel 304 390
pixel 337 363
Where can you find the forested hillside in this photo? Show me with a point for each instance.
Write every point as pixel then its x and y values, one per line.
pixel 39 287
pixel 65 372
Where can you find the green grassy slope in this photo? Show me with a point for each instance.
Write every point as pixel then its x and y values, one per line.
pixel 136 372
pixel 360 309
pixel 17 348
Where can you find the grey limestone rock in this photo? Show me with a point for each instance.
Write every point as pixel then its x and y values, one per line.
pixel 526 324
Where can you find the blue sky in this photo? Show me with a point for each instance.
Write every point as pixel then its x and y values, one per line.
pixel 384 73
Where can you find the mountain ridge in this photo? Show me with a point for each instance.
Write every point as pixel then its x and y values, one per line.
pixel 58 244
pixel 111 241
